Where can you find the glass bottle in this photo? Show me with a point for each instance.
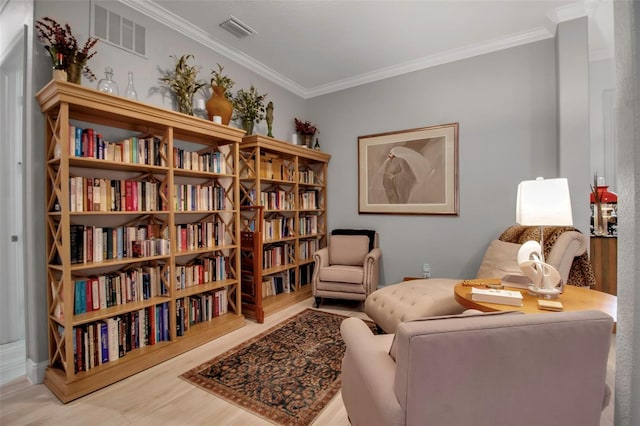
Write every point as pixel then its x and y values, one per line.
pixel 107 84
pixel 317 145
pixel 130 92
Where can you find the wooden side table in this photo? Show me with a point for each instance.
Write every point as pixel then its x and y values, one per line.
pixel 604 261
pixel 573 299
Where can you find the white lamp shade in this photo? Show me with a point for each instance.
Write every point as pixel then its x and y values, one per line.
pixel 544 202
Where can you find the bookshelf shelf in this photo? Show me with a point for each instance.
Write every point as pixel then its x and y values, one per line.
pixel 112 213
pixel 272 173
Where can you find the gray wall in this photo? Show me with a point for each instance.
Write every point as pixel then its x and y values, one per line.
pixel 572 47
pixel 505 103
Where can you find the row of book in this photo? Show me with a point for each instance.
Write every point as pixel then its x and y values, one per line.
pixel 143 149
pixel 306 273
pixel 308 176
pixel 200 308
pixel 117 288
pixel 108 195
pixel 309 200
pixel 277 255
pixel 277 228
pixel 308 225
pixel 97 244
pixel 276 168
pixel 282 282
pixel 277 200
pixel 105 341
pixel 307 248
pixel 213 162
pixel 192 236
pixel 201 271
pixel 190 197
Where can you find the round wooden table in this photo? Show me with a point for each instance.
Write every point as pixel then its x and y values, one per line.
pixel 573 299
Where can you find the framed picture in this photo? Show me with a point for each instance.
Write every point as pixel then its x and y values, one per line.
pixel 409 172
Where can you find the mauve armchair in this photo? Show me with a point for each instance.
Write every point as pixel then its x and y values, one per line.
pixel 348 268
pixel 502 368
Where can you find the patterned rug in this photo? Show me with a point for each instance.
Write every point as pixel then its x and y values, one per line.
pixel 286 374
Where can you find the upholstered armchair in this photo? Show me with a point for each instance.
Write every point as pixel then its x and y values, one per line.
pixel 348 268
pixel 500 368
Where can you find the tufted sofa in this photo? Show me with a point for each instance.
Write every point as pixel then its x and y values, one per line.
pixel 393 304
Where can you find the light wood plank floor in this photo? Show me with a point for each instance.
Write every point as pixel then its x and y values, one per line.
pixel 157 396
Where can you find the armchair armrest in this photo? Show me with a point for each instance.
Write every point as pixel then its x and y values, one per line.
pixel 368 374
pixel 569 245
pixel 321 258
pixel 372 270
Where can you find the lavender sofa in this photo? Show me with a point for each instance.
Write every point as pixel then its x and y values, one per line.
pixel 503 368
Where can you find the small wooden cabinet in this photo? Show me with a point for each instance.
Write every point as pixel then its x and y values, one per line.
pixel 283 194
pixel 604 260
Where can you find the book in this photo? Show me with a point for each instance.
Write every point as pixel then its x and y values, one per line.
pixel 516 281
pixel 503 297
pixel 550 305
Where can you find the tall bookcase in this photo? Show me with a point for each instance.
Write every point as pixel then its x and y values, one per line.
pixel 283 193
pixel 143 228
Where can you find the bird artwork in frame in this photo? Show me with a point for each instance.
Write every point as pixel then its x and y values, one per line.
pixel 409 172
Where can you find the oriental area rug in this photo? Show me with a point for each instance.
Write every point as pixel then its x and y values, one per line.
pixel 286 374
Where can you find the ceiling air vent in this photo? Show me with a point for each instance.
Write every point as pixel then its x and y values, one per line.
pixel 237 27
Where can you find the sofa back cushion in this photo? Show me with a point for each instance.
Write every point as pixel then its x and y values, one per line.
pixel 348 249
pixel 500 259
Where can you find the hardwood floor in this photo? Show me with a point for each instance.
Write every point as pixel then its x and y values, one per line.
pixel 157 396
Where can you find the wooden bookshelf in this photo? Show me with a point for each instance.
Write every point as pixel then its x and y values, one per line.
pixel 283 193
pixel 166 207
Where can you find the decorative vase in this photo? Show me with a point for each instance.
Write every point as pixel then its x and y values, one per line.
pixel 60 75
pixel 247 125
pixel 218 104
pixel 74 72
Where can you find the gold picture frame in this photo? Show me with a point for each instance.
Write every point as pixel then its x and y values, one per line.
pixel 409 172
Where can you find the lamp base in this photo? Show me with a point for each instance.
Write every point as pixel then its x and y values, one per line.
pixel 544 293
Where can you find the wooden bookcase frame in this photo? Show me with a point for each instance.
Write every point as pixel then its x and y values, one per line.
pixel 271 165
pixel 63 103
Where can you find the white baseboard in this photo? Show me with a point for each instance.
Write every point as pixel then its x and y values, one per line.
pixel 35 371
pixel 12 361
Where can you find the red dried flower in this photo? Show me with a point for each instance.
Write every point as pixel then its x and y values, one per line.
pixel 305 127
pixel 60 40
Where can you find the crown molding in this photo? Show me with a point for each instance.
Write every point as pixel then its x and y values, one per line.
pixel 571 11
pixel 187 29
pixel 165 17
pixel 453 55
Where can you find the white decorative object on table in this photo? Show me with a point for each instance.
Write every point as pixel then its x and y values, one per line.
pixel 542 203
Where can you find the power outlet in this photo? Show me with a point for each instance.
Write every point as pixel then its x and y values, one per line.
pixel 426 270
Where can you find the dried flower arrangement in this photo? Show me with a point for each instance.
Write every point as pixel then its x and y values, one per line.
pixel 63 46
pixel 183 82
pixel 221 80
pixel 248 107
pixel 305 127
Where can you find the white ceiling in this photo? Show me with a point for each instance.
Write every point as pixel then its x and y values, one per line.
pixel 312 47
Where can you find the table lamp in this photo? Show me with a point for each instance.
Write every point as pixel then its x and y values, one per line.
pixel 542 202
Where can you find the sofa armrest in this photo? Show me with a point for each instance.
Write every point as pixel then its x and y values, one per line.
pixel 568 245
pixel 368 373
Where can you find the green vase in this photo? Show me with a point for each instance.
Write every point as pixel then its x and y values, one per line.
pixel 74 72
pixel 247 125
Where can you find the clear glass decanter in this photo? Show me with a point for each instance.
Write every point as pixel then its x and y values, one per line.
pixel 130 92
pixel 107 84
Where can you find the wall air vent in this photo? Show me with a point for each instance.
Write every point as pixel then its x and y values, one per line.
pixel 237 28
pixel 119 31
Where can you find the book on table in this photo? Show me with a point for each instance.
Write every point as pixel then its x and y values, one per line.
pixel 503 297
pixel 516 281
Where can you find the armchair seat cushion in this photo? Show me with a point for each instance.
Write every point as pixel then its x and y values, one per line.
pixel 342 273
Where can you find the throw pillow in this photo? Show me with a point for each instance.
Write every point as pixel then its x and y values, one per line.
pixel 500 259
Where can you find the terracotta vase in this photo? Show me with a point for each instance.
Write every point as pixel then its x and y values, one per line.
pixel 218 104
